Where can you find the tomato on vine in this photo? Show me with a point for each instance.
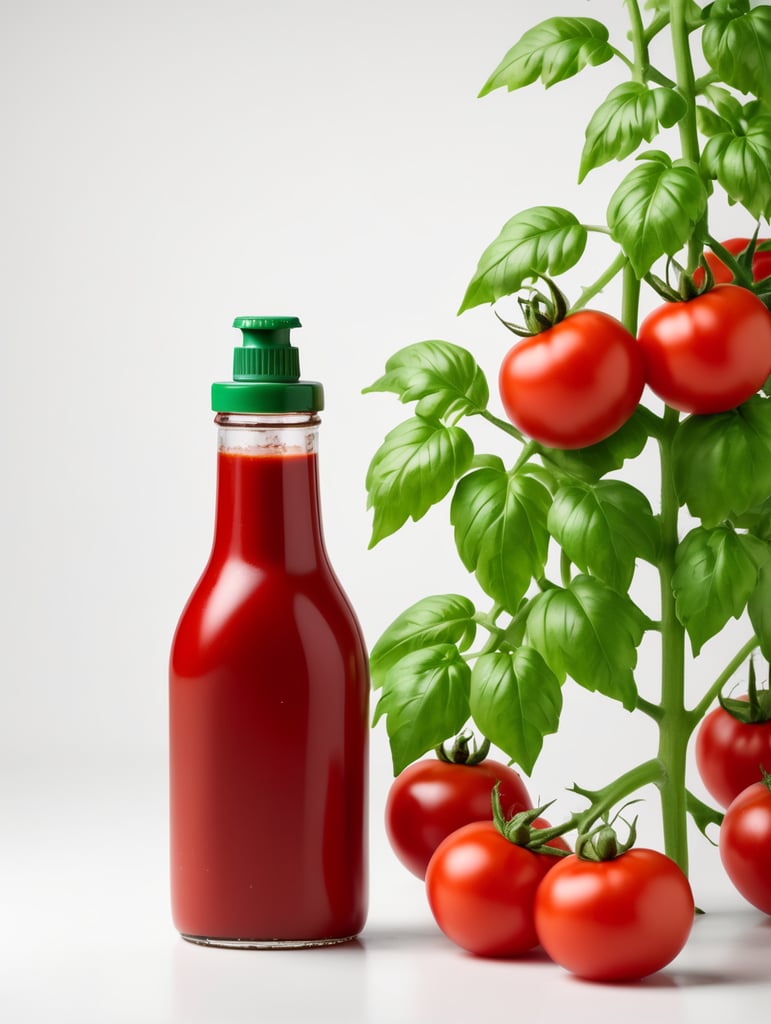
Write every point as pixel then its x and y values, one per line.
pixel 610 913
pixel 710 353
pixel 761 261
pixel 745 843
pixel 481 882
pixel 433 797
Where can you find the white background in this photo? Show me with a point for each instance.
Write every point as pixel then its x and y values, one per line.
pixel 165 167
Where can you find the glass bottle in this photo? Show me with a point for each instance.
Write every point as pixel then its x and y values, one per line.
pixel 268 684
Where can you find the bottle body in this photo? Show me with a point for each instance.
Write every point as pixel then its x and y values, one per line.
pixel 268 694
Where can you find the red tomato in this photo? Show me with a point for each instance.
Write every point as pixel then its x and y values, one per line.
pixel 431 799
pixel 481 889
pixel 574 384
pixel 745 845
pixel 730 753
pixel 761 262
pixel 614 920
pixel 709 354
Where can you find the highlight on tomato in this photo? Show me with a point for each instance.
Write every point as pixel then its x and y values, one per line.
pixel 435 796
pixel 574 378
pixel 613 912
pixel 481 882
pixel 734 741
pixel 745 843
pixel 710 353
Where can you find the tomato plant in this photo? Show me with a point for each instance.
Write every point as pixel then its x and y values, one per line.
pixel 745 843
pixel 733 743
pixel 554 534
pixel 432 798
pixel 708 354
pixel 614 920
pixel 482 880
pixel 575 383
pixel 761 261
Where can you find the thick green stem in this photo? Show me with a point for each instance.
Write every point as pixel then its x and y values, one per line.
pixel 674 724
pixel 686 83
pixel 602 800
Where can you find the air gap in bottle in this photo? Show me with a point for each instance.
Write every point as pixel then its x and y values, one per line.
pixel 268 684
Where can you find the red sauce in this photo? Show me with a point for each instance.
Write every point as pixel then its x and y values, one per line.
pixel 268 722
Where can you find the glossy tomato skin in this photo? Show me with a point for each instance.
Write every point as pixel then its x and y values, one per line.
pixel 761 262
pixel 431 798
pixel 481 889
pixel 709 354
pixel 745 845
pixel 574 384
pixel 730 753
pixel 614 920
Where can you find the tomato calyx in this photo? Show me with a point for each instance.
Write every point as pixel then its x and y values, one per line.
pixel 464 750
pixel 603 843
pixel 756 709
pixel 540 312
pixel 520 828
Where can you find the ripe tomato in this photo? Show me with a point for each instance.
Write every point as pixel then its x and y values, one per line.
pixel 730 753
pixel 614 920
pixel 432 798
pixel 481 889
pixel 761 262
pixel 573 384
pixel 745 844
pixel 709 354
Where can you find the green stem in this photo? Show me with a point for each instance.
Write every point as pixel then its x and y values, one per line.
pixel 700 710
pixel 630 300
pixel 604 279
pixel 687 128
pixel 674 725
pixel 602 800
pixel 638 41
pixel 504 425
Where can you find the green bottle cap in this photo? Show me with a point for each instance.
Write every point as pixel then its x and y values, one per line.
pixel 266 371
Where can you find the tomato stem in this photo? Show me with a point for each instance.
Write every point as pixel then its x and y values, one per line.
pixel 700 709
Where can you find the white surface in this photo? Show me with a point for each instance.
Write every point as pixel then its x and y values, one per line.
pixel 167 166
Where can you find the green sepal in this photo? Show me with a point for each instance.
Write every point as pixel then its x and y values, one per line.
pixel 756 709
pixel 519 828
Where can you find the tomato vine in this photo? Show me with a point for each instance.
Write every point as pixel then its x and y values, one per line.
pixel 538 632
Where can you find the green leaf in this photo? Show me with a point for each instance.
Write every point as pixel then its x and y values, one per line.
pixel 500 531
pixel 716 571
pixel 553 50
pixel 414 468
pixel 631 113
pixel 539 240
pixel 443 378
pixel 598 459
pixel 604 528
pixel 590 632
pixel 722 463
pixel 425 697
pixel 741 163
pixel 759 607
pixel 515 701
pixel 653 211
pixel 737 44
pixel 756 520
pixel 439 619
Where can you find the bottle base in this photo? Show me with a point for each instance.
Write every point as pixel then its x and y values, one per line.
pixel 204 940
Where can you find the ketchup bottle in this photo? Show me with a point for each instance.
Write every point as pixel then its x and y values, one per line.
pixel 268 684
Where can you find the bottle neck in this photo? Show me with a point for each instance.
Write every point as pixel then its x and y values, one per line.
pixel 268 510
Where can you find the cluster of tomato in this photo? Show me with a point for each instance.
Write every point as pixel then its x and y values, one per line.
pixel 501 888
pixel 579 381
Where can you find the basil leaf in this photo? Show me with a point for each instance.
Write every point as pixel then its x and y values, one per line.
pixel 741 162
pixel 759 607
pixel 500 531
pixel 515 701
pixel 631 113
pixel 414 468
pixel 425 701
pixel 553 50
pixel 443 378
pixel 736 42
pixel 716 571
pixel 539 240
pixel 653 211
pixel 439 619
pixel 722 463
pixel 590 632
pixel 596 460
pixel 604 528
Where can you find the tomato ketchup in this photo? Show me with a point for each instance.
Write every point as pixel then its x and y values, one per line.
pixel 268 685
